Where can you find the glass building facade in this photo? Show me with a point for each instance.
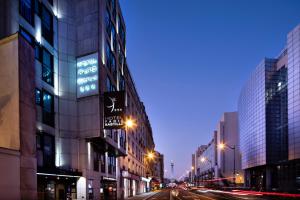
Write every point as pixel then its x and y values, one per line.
pixel 269 121
pixel 252 119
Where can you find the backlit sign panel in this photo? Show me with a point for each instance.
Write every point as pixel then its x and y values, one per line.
pixel 114 108
pixel 87 75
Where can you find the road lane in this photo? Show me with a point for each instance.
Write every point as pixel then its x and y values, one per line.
pixel 186 195
pixel 163 195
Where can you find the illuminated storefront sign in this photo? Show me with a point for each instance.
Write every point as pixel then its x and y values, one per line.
pixel 114 107
pixel 87 75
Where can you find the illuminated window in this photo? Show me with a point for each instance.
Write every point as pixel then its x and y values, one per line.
pixel 26 10
pixel 47 25
pixel 47 69
pixel 38 97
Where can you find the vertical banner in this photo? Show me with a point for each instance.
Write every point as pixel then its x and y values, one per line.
pixel 114 108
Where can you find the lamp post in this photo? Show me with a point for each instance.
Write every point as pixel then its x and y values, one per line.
pixel 222 147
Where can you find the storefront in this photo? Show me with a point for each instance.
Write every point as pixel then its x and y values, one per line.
pixel 53 186
pixel 131 184
pixel 108 190
pixel 145 184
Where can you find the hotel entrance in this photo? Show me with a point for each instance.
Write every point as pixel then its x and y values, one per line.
pixel 109 189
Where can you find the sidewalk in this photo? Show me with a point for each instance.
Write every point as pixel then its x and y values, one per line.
pixel 143 196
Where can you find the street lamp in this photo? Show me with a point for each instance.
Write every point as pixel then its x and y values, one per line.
pixel 150 155
pixel 130 123
pixel 222 146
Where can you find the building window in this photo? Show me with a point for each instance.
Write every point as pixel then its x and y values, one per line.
pixel 96 161
pixel 47 25
pixel 51 2
pixel 108 55
pixel 48 108
pixel 113 66
pixel 38 97
pixel 27 10
pixel 121 82
pixel 107 21
pixel 27 36
pixel 45 145
pixel 38 52
pixel 109 86
pixel 121 56
pixel 102 158
pixel 111 165
pixel 37 7
pixel 47 69
pixel 113 37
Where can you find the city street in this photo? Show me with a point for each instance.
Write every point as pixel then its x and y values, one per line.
pixel 180 194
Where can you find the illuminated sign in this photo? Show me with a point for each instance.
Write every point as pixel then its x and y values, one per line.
pixel 87 75
pixel 114 107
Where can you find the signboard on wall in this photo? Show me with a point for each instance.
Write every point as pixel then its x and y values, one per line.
pixel 114 108
pixel 87 75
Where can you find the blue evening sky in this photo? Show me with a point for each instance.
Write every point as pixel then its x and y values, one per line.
pixel 190 58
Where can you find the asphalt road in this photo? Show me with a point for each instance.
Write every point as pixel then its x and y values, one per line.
pixel 180 194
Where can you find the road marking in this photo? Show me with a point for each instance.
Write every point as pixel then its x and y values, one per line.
pixel 199 195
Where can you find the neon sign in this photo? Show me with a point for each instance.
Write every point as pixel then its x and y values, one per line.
pixel 87 75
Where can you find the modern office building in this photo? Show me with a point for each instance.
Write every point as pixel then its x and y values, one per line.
pixel 207 161
pixel 220 159
pixel 193 169
pixel 58 57
pixel 228 152
pixel 269 120
pixel 198 154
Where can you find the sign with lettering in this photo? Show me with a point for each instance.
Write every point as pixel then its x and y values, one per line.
pixel 114 108
pixel 87 75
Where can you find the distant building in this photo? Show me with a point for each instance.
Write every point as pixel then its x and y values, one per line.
pixel 229 158
pixel 158 168
pixel 214 163
pixel 193 168
pixel 207 161
pixel 269 121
